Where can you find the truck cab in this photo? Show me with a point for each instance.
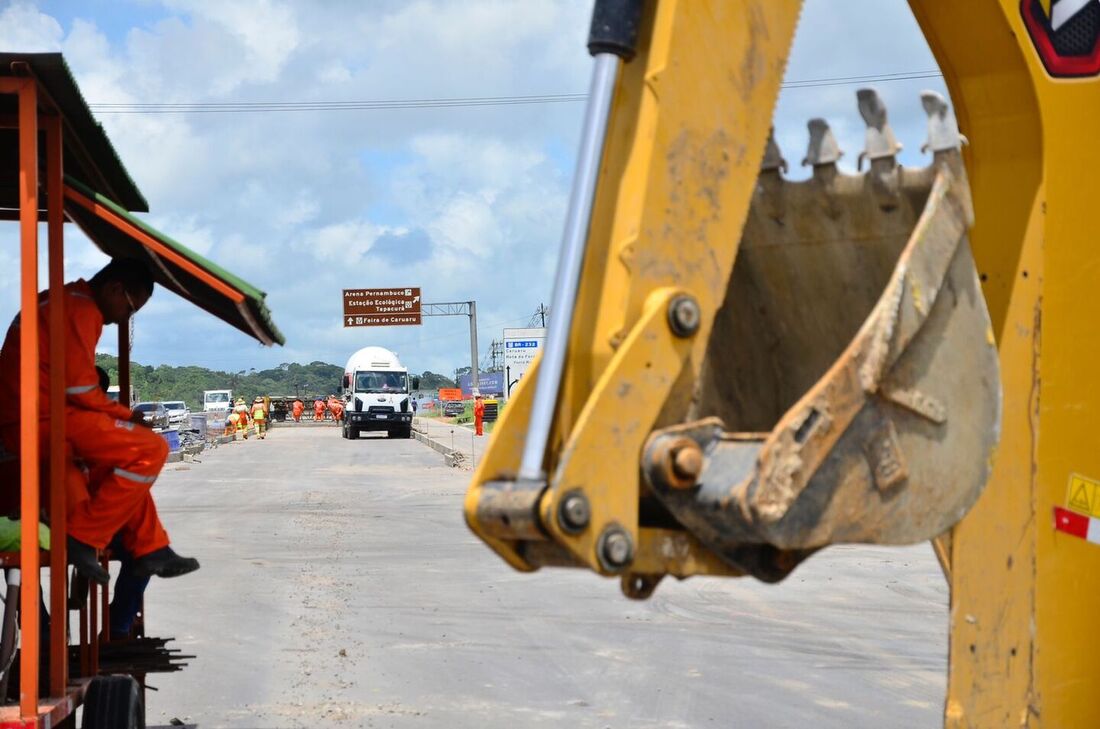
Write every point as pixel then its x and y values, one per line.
pixel 217 401
pixel 376 389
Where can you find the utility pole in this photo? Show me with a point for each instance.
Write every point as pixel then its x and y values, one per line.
pixel 495 355
pixel 540 315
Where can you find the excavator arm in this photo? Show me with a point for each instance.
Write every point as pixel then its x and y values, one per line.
pixel 743 369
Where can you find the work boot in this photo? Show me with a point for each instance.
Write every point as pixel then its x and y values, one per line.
pixel 164 562
pixel 86 561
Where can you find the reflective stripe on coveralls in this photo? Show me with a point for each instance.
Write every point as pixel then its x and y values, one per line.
pixel 130 458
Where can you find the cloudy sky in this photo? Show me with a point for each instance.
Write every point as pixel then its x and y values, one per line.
pixel 465 202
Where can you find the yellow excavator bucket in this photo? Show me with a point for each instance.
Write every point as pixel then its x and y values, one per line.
pixel 746 368
pixel 849 391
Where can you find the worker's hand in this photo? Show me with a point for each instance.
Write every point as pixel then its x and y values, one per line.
pixel 138 417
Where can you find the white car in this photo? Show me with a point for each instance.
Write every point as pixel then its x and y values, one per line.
pixel 178 412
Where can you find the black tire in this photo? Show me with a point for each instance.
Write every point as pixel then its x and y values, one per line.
pixel 113 702
pixel 353 433
pixel 344 432
pixel 406 432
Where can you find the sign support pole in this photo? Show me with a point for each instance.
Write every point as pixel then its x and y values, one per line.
pixel 475 378
pixel 461 308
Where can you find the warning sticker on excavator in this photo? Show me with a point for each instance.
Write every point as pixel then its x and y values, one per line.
pixel 1083 495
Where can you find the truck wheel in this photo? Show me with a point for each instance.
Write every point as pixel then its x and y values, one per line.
pixel 344 432
pixel 113 702
pixel 353 433
pixel 407 432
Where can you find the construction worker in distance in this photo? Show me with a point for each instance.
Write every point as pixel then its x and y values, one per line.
pixel 336 408
pixel 108 438
pixel 234 418
pixel 259 417
pixel 318 409
pixel 297 409
pixel 479 415
pixel 242 417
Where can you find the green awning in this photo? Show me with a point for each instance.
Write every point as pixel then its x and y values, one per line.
pixel 89 155
pixel 198 280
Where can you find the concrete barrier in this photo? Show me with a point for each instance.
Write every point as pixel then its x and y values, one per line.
pixel 452 458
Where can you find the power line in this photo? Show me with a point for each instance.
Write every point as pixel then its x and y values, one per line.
pixel 240 107
pixel 851 80
pixel 256 107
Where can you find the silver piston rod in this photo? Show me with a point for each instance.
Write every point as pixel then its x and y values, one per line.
pixel 611 41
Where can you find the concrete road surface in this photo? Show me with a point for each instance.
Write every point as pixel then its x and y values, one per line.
pixel 341 588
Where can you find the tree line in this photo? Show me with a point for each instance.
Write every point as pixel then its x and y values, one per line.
pixel 290 379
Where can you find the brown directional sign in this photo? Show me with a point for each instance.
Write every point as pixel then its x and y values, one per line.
pixel 382 320
pixel 381 307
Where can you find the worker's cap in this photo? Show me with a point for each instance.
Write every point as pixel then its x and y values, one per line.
pixel 258 399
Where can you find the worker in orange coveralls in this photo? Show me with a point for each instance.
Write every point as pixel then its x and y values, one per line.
pixel 107 437
pixel 318 409
pixel 297 408
pixel 336 408
pixel 479 415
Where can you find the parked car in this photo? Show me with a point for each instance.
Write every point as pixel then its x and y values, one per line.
pixel 178 412
pixel 154 412
pixel 452 408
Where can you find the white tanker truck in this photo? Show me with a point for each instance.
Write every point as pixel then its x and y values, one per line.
pixel 376 390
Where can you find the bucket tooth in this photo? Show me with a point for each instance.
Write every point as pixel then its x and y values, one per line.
pixel 880 142
pixel 943 130
pixel 823 153
pixel 880 147
pixel 823 148
pixel 773 156
pixel 770 183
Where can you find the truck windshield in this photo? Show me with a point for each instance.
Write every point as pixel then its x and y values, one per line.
pixel 217 397
pixel 380 382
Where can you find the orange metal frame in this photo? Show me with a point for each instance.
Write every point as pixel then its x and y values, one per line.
pixel 64 696
pixel 155 246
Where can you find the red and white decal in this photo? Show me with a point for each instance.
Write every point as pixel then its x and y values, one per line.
pixel 1077 525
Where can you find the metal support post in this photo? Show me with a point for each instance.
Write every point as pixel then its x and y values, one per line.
pixel 475 379
pixel 55 216
pixel 28 396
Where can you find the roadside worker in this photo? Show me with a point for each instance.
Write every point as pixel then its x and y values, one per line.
pixel 242 417
pixel 479 415
pixel 336 408
pixel 108 438
pixel 234 419
pixel 259 417
pixel 318 409
pixel 297 409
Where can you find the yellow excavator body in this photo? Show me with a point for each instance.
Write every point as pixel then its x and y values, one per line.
pixel 751 369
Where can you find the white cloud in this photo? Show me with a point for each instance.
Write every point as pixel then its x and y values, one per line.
pixel 24 29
